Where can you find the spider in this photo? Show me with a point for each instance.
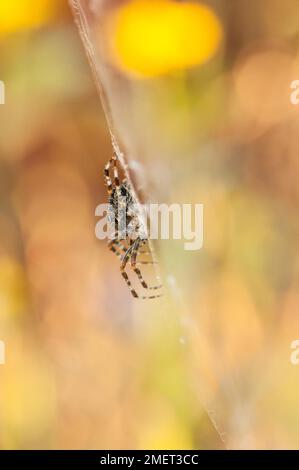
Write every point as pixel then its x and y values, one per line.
pixel 129 248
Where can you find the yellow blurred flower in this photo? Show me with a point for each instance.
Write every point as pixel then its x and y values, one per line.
pixel 17 15
pixel 154 37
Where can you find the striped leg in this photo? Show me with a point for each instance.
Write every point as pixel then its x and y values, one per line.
pixel 124 274
pixel 126 277
pixel 111 183
pixel 137 271
pixel 133 291
pixel 116 247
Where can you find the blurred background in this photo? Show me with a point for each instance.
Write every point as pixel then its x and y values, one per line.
pixel 199 94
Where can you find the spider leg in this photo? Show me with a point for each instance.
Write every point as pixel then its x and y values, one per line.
pixel 112 163
pixel 136 270
pixel 116 247
pixel 123 272
pixel 113 246
pixel 133 263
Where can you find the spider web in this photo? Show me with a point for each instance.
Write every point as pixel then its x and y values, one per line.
pixel 187 326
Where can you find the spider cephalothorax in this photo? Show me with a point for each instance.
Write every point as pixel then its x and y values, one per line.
pixel 128 234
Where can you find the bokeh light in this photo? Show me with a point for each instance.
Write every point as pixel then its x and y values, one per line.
pixel 151 38
pixel 16 15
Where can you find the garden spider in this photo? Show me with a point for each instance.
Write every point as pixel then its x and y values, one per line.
pixel 129 248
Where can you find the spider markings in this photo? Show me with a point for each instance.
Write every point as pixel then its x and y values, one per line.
pixel 120 193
